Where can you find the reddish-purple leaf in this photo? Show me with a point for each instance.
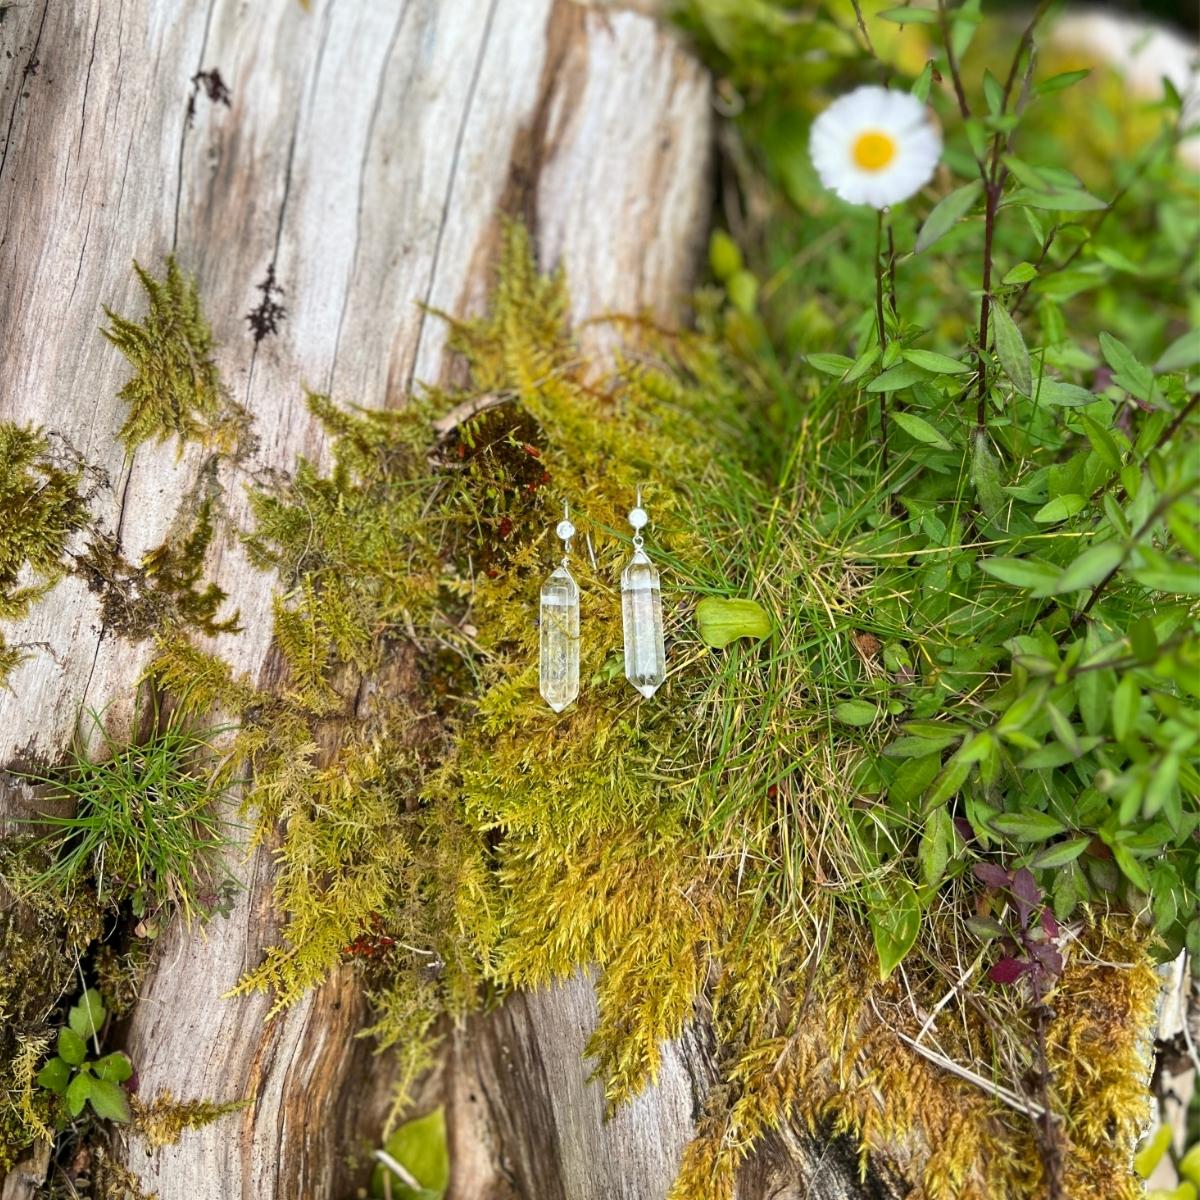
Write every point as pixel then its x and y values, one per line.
pixel 1047 956
pixel 1049 924
pixel 992 875
pixel 1007 970
pixel 1027 893
pixel 964 829
pixel 1025 887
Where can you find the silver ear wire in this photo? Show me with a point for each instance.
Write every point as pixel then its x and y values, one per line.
pixel 558 627
pixel 641 611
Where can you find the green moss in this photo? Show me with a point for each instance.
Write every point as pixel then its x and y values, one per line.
pixel 40 508
pixel 175 390
pixel 41 939
pixel 163 591
pixel 444 832
pixel 164 1120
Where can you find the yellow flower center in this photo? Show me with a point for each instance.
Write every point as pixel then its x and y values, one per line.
pixel 873 150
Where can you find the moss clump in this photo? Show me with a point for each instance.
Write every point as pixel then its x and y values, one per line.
pixel 164 1120
pixel 446 834
pixel 175 389
pixel 164 590
pixel 40 509
pixel 41 939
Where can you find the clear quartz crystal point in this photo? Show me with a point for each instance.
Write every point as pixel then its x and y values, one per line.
pixel 558 674
pixel 641 607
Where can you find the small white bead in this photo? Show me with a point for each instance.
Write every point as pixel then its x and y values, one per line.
pixel 565 530
pixel 638 518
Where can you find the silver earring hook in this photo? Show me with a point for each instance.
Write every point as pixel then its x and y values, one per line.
pixel 565 531
pixel 639 519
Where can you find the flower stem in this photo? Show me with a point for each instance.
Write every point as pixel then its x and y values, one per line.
pixel 882 328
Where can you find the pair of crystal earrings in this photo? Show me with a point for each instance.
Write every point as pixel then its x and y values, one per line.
pixel 641 611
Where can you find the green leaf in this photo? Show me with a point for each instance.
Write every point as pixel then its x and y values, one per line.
pixel 1090 567
pixel 948 784
pixel 71 1047
pixel 856 712
pixel 77 1093
pixel 108 1101
pixel 830 364
pixel 985 475
pixel 937 841
pixel 724 255
pixel 1182 353
pixel 909 16
pixel 936 364
pixel 993 93
pixel 1063 395
pixel 87 1016
pixel 1061 853
pixel 918 747
pixel 1056 83
pixel 895 917
pixel 1075 200
pixel 920 429
pixel 743 292
pixel 1011 350
pixel 948 211
pixel 419 1148
pixel 1126 705
pixel 1102 441
pixel 115 1067
pixel 912 777
pixel 1168 575
pixel 1060 508
pixel 1128 373
pixel 902 375
pixel 1027 826
pixel 723 620
pixel 923 82
pixel 1131 868
pixel 54 1076
pixel 1023 272
pixel 1039 577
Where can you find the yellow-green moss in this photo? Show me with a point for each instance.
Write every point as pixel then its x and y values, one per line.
pixel 164 590
pixel 445 832
pixel 175 389
pixel 41 939
pixel 40 508
pixel 164 1120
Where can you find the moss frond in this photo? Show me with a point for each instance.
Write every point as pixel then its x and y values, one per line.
pixel 164 1120
pixel 175 389
pixel 40 509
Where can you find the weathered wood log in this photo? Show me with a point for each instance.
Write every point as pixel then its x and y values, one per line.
pixel 357 156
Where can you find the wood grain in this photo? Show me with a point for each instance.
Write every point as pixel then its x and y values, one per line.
pixel 365 155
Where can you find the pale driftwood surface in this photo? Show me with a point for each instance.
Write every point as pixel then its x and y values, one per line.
pixel 366 153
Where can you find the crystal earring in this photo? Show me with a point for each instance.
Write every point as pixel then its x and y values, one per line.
pixel 641 610
pixel 558 633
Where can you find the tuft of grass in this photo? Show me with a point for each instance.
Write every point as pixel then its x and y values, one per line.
pixel 144 825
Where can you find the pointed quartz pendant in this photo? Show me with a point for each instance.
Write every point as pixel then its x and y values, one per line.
pixel 558 674
pixel 641 607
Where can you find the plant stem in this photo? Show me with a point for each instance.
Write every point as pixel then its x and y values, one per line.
pixel 862 28
pixel 1047 1134
pixel 882 328
pixel 985 302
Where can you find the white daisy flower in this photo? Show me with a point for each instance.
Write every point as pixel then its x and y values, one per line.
pixel 876 147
